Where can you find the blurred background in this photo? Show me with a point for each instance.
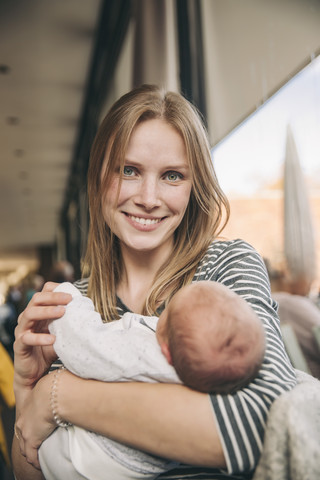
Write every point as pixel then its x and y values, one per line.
pixel 251 67
pixel 64 62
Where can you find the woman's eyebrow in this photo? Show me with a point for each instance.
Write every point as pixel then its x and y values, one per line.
pixel 168 166
pixel 184 168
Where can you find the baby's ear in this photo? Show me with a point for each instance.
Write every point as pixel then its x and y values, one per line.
pixel 166 352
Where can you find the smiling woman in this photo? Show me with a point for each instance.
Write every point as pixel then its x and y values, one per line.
pixel 156 210
pixel 139 146
pixel 145 205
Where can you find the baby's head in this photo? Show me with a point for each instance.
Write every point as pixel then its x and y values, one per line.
pixel 212 337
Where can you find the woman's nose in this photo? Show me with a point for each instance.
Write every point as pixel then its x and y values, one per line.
pixel 148 195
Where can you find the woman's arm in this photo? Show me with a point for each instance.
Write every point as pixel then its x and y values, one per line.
pixel 130 413
pixel 242 417
pixel 22 469
pixel 33 355
pixel 172 421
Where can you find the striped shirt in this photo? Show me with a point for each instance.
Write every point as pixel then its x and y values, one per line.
pixel 241 416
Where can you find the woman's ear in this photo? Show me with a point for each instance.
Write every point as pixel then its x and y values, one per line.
pixel 166 352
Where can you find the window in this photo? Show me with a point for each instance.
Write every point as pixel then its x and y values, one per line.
pixel 250 162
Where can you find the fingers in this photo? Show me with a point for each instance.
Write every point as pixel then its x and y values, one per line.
pixel 38 339
pixel 30 453
pixel 40 312
pixel 49 286
pixel 48 297
pixel 32 457
pixel 45 305
pixel 25 342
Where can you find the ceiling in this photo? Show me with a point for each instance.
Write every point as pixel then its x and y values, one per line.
pixel 46 49
pixel 45 53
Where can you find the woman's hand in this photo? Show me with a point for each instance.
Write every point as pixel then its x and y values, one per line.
pixel 33 347
pixel 33 355
pixel 30 433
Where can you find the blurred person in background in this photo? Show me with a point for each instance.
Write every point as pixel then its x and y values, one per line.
pixel 35 284
pixel 7 401
pixel 9 312
pixel 62 271
pixel 299 311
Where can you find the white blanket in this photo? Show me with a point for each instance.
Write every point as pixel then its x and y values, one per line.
pixel 292 439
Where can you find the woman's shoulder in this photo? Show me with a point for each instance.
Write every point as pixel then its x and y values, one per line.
pixel 220 246
pixel 225 253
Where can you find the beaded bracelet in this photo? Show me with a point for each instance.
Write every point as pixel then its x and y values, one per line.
pixel 54 399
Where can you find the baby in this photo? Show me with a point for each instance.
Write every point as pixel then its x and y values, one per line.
pixel 207 337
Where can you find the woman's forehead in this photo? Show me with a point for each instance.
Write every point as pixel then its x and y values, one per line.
pixel 150 138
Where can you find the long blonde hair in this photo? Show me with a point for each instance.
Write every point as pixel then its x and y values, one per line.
pixel 205 217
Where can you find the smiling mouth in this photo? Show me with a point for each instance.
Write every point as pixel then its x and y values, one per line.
pixel 144 221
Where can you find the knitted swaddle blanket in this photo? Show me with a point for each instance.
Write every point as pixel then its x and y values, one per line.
pixel 292 440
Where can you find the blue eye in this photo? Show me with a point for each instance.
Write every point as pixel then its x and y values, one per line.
pixel 173 176
pixel 128 171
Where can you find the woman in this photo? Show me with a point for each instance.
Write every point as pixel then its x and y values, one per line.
pixel 155 213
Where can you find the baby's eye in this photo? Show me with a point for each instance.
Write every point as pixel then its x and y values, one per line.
pixel 173 176
pixel 128 171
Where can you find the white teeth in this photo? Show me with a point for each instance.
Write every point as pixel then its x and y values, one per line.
pixel 145 221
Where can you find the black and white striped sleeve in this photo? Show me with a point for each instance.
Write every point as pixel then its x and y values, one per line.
pixel 241 417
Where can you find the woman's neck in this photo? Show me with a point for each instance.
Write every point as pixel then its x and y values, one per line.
pixel 139 272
